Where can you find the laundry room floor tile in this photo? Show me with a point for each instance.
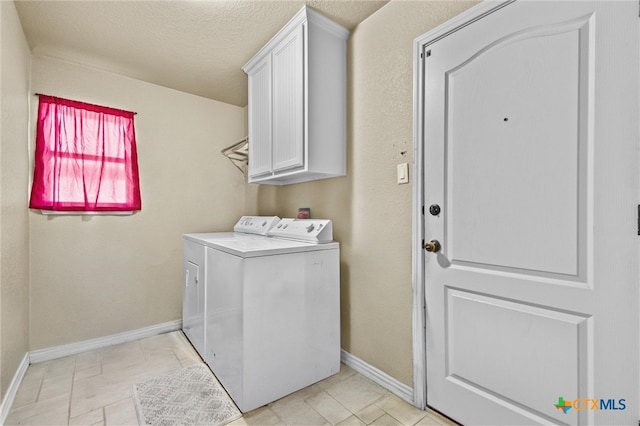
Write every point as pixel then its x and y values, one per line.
pixel 91 418
pixel 356 392
pixel 95 388
pixel 405 413
pixel 328 407
pixel 121 413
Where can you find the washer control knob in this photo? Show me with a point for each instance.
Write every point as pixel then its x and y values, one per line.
pixel 310 227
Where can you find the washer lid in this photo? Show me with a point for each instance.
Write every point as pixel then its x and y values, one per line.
pixel 209 237
pixel 266 246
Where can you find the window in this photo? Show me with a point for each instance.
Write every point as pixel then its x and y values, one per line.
pixel 85 158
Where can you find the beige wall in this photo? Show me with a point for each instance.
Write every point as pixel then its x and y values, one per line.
pixel 14 166
pixel 96 276
pixel 371 213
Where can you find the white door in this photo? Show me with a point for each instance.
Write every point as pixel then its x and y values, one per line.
pixel 531 154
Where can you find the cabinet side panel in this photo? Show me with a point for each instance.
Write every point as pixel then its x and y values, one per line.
pixel 327 102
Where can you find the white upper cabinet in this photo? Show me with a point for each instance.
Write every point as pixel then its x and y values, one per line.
pixel 297 103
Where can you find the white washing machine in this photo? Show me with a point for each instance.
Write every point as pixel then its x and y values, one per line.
pixel 193 264
pixel 272 308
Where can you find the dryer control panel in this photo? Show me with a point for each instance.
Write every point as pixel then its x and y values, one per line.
pixel 309 230
pixel 259 225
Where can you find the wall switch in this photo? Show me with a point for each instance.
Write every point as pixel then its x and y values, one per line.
pixel 403 173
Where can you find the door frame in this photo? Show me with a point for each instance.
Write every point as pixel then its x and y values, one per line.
pixel 418 233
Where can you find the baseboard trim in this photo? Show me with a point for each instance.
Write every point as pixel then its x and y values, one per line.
pixel 102 342
pixel 378 376
pixel 367 370
pixel 73 349
pixel 12 391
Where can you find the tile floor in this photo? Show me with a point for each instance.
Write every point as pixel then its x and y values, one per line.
pixel 95 388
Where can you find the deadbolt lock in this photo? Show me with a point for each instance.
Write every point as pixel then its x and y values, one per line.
pixel 432 246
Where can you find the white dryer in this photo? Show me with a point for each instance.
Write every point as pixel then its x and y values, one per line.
pixel 272 309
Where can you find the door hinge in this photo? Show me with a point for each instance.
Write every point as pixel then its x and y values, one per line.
pixel 423 212
pixel 639 228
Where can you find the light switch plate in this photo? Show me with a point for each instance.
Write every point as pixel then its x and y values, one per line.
pixel 403 173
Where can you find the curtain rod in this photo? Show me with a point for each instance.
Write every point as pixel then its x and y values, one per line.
pixel 88 103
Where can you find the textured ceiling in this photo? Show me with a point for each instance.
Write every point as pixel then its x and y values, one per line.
pixel 197 47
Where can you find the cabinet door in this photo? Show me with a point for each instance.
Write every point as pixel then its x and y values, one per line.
pixel 288 101
pixel 260 119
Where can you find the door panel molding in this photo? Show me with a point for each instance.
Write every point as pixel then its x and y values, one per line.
pixel 522 329
pixel 544 69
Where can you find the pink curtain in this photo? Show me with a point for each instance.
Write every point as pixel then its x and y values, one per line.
pixel 85 158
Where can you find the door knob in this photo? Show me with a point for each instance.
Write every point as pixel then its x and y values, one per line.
pixel 432 246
